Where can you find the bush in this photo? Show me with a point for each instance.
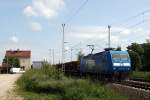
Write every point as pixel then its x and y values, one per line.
pixel 141 75
pixel 50 84
pixel 34 77
pixel 135 60
pixel 87 90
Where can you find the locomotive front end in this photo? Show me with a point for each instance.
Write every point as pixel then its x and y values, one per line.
pixel 120 61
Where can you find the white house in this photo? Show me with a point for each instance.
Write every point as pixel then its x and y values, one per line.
pixel 24 57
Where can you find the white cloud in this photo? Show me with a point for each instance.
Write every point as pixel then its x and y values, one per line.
pixel 85 32
pixel 120 36
pixel 14 39
pixel 44 8
pixel 29 11
pixel 126 32
pixel 36 27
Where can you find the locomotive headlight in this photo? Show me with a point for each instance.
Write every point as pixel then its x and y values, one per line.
pixel 126 64
pixel 116 64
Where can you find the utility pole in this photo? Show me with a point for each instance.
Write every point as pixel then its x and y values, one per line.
pixel 109 36
pixel 71 53
pixel 50 61
pixel 53 57
pixel 63 38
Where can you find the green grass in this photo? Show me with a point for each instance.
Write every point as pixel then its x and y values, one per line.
pixel 50 84
pixel 141 75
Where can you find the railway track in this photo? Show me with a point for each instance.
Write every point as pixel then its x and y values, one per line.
pixel 136 84
pixel 140 79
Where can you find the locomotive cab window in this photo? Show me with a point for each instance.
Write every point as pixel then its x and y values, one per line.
pixel 115 56
pixel 120 56
pixel 124 56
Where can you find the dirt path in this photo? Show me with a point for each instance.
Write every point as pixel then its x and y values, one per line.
pixel 7 84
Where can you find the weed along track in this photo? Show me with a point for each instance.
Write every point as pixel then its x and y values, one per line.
pixel 49 83
pixel 54 87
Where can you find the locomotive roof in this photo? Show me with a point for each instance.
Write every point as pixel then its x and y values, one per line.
pixel 99 53
pixel 91 55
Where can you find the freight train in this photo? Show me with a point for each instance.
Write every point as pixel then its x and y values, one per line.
pixel 110 64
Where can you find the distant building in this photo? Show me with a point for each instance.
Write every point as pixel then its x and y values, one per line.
pixel 38 64
pixel 23 56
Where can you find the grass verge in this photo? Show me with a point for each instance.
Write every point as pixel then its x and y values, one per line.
pixel 50 84
pixel 140 75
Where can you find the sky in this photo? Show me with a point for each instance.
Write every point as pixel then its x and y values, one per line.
pixel 36 25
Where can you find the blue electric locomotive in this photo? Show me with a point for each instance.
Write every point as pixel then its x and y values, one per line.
pixel 109 63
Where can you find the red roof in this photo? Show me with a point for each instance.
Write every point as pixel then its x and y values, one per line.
pixel 18 53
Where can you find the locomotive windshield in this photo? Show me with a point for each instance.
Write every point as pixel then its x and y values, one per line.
pixel 120 56
pixel 115 56
pixel 124 56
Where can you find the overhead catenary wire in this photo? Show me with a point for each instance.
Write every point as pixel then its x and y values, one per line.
pixel 126 20
pixel 139 23
pixel 134 25
pixel 79 43
pixel 69 20
pixel 131 18
pixel 76 12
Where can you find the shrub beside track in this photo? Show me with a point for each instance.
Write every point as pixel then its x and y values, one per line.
pixel 50 84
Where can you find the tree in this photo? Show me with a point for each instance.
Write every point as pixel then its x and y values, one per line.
pixel 135 60
pixel 16 62
pixel 146 56
pixel 136 53
pixel 13 62
pixel 143 51
pixel 136 48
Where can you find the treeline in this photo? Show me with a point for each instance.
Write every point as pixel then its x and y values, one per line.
pixel 140 56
